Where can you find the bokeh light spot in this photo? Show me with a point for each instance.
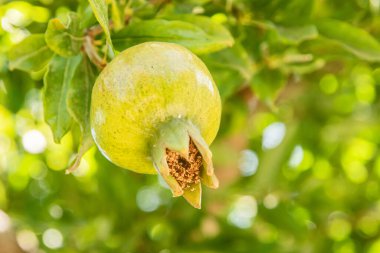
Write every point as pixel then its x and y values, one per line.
pixel 27 240
pixel 34 142
pixel 368 225
pixel 56 211
pixel 328 84
pixel 307 160
pixel 210 227
pixel 296 157
pixel 148 199
pixel 344 102
pixel 5 222
pixel 243 212
pixel 339 229
pixel 40 14
pixel 15 17
pixel 220 18
pixel 52 238
pixel 248 162
pixel 160 232
pixel 346 246
pixel 322 169
pixel 18 180
pixel 365 93
pixel 273 135
pixel 375 247
pixel 356 172
pixel 270 201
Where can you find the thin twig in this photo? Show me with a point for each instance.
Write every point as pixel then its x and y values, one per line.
pixel 92 53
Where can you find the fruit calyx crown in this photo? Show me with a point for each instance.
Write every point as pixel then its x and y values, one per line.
pixel 182 157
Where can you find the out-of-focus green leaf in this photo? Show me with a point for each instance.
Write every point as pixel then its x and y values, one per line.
pixel 231 68
pixel 297 34
pixel 294 62
pixel 269 168
pixel 31 54
pixel 199 39
pixel 304 68
pixel 356 40
pixel 39 74
pixel 215 30
pixel 66 38
pixel 116 14
pixel 234 58
pixel 57 82
pixel 79 94
pixel 266 84
pixel 87 17
pixel 290 34
pixel 100 9
pixel 78 104
pixel 294 12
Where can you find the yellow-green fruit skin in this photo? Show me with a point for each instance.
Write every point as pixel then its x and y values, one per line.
pixel 142 87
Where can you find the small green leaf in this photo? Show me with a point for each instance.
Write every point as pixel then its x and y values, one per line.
pixel 199 39
pixel 30 55
pixel 66 38
pixel 100 9
pixel 57 82
pixel 78 104
pixel 355 40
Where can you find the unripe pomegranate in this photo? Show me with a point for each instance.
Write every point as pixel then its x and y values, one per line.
pixel 155 109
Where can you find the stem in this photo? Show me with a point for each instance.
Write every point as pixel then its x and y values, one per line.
pixel 92 53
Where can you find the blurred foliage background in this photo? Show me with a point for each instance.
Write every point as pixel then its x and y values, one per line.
pixel 296 154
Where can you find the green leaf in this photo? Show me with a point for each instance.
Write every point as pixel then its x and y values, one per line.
pixel 87 17
pixel 216 31
pixel 235 58
pixel 355 40
pixel 290 34
pixel 269 168
pixel 78 104
pixel 266 84
pixel 116 13
pixel 231 68
pixel 100 9
pixel 66 38
pixel 57 82
pixel 201 36
pixel 31 54
pixel 79 94
pixel 297 34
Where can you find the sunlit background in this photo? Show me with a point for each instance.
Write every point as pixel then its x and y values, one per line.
pixel 297 151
